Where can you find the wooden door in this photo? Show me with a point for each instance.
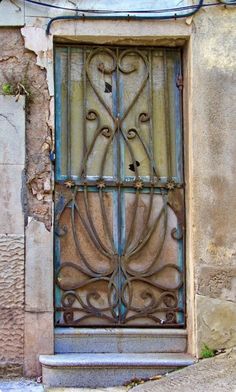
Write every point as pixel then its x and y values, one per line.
pixel 119 202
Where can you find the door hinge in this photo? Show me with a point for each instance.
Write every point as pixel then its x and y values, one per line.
pixel 180 82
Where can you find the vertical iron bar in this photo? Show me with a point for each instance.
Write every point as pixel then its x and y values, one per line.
pixel 118 115
pixel 150 108
pixel 178 119
pixel 58 64
pixel 68 66
pixel 119 212
pixel 84 112
pixel 167 117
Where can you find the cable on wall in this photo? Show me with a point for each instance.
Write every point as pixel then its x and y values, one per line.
pixel 129 14
pixel 125 17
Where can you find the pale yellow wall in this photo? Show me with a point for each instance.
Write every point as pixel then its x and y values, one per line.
pixel 212 148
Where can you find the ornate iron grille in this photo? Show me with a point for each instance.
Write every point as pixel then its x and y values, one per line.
pixel 119 205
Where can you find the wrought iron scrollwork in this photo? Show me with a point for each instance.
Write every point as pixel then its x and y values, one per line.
pixel 120 290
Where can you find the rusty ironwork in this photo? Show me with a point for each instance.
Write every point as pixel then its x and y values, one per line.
pixel 115 269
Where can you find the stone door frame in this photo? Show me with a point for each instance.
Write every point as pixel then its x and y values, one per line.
pixel 39 241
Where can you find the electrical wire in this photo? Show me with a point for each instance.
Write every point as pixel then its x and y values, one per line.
pixel 49 5
pixel 154 11
pixel 122 17
pixel 128 14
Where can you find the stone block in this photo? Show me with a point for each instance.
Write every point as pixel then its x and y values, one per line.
pixel 211 142
pixel 39 267
pixel 11 213
pixel 39 339
pixel 217 282
pixel 118 340
pixel 106 370
pixel 11 334
pixel 12 130
pixel 12 271
pixel 11 13
pixel 216 323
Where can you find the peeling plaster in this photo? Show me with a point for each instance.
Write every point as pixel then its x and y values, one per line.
pixel 43 48
pixel 20 66
pixel 40 186
pixel 42 43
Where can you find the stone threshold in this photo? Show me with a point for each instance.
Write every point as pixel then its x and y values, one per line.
pixel 120 331
pixel 130 340
pixel 106 370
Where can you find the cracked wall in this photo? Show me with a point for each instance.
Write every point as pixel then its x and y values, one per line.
pixel 25 145
pixel 18 66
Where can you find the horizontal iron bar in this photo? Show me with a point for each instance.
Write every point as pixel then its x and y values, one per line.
pixel 122 184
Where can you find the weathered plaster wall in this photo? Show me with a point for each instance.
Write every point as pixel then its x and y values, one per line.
pixel 212 146
pixel 18 65
pixel 24 194
pixel 210 150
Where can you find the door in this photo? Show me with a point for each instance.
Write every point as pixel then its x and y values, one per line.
pixel 119 201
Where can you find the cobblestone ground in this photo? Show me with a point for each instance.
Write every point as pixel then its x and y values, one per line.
pixel 20 385
pixel 24 385
pixel 114 389
pixel 216 374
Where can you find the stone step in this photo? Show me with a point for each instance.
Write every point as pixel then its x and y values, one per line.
pixel 107 370
pixel 120 340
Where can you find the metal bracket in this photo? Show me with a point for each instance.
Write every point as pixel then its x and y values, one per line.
pixel 180 82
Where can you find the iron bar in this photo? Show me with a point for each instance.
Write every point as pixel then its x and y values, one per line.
pixel 68 111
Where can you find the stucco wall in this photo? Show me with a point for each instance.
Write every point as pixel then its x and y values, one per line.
pixel 208 42
pixel 212 145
